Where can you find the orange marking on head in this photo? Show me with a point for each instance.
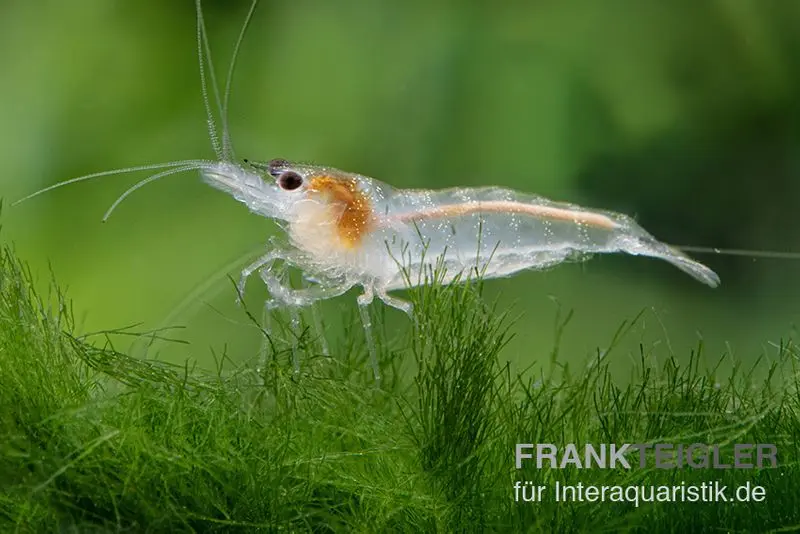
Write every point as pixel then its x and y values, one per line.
pixel 356 218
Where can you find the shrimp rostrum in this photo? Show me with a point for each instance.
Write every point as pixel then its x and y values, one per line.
pixel 347 230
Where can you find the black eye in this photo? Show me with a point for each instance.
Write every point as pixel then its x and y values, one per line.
pixel 290 181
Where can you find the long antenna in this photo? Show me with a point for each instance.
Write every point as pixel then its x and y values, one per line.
pixel 191 163
pixel 205 58
pixel 767 254
pixel 227 145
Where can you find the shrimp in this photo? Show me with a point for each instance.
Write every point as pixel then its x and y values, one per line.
pixel 346 230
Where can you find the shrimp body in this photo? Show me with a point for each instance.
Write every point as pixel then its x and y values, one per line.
pixel 360 231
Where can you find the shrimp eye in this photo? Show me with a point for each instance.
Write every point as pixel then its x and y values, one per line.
pixel 290 180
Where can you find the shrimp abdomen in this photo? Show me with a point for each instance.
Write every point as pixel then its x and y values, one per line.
pixel 501 231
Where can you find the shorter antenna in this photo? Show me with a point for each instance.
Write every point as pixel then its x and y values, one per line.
pixel 203 45
pixel 227 145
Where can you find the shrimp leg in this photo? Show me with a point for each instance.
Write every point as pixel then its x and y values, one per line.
pixel 399 304
pixel 264 260
pixel 305 297
pixel 264 264
pixel 364 300
pixel 317 323
pixel 284 295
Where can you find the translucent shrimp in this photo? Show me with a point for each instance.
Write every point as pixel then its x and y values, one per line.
pixel 345 230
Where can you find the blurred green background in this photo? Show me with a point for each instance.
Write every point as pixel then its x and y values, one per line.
pixel 684 114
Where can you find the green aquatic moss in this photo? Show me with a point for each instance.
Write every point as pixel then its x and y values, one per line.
pixel 95 440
